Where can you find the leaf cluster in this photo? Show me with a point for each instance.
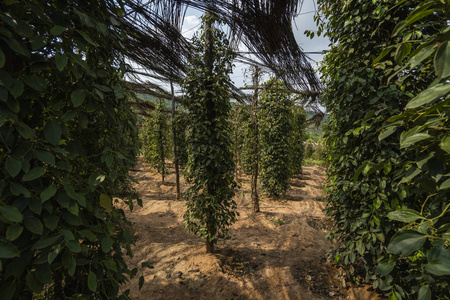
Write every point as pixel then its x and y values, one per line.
pixel 275 117
pixel 383 159
pixel 210 166
pixel 155 138
pixel 67 141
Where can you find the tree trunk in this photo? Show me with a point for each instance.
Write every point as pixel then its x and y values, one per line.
pixel 175 154
pixel 236 136
pixel 255 155
pixel 161 142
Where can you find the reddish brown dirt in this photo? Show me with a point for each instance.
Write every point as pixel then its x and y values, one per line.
pixel 279 253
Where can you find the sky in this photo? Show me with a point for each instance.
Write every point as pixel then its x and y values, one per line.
pixel 304 21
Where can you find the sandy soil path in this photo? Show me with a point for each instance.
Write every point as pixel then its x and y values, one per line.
pixel 279 253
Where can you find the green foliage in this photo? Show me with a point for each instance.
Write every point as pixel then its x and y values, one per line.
pixel 297 139
pixel 423 128
pixel 181 125
pixel 244 135
pixel 155 138
pixel 210 207
pixel 275 129
pixel 67 141
pixel 383 158
pixel 316 152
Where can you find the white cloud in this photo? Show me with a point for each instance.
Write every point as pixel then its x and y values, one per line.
pixel 190 26
pixel 191 20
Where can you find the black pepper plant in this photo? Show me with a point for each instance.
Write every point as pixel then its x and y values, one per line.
pixel 155 138
pixel 386 91
pixel 210 166
pixel 275 134
pixel 67 141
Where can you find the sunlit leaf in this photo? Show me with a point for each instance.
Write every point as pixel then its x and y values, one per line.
pixel 406 242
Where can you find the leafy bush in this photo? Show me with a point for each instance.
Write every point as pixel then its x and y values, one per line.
pixel 244 136
pixel 155 139
pixel 297 139
pixel 275 130
pixel 374 185
pixel 209 201
pixel 181 126
pixel 422 246
pixel 67 141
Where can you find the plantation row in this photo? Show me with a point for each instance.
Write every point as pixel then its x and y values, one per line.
pixel 387 94
pixel 266 140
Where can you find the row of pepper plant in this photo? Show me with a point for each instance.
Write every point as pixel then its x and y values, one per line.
pixel 387 93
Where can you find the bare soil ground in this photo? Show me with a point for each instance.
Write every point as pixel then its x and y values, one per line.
pixel 279 253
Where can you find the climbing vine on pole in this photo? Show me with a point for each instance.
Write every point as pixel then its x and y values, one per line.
pixel 275 130
pixel 210 167
pixel 155 138
pixel 67 141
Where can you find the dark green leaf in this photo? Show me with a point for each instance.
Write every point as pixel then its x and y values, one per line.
pixel 52 132
pixel 61 61
pixel 106 244
pixel 383 54
pixel 74 195
pixel 110 264
pixel 45 156
pixel 52 255
pixel 2 58
pixel 33 225
pixel 141 282
pixel 412 139
pixel 86 233
pixel 429 95
pixel 8 250
pixel 44 274
pixel 92 281
pixel 74 246
pixel 13 165
pixel 11 214
pixel 25 130
pixel 7 291
pixel 77 97
pixel 45 242
pixel 68 235
pixel 36 82
pixel 445 144
pixel 424 293
pixel 33 282
pixel 18 189
pixel 384 268
pixel 439 266
pixel 406 242
pixel 18 47
pixel 445 185
pixel 423 54
pixel 48 192
pixel 435 168
pixel 13 232
pixel 442 60
pixel 57 30
pixel 72 267
pixel 51 221
pixel 402 52
pixel 405 215
pixel 86 37
pixel 387 132
pixel 73 208
pixel 33 174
